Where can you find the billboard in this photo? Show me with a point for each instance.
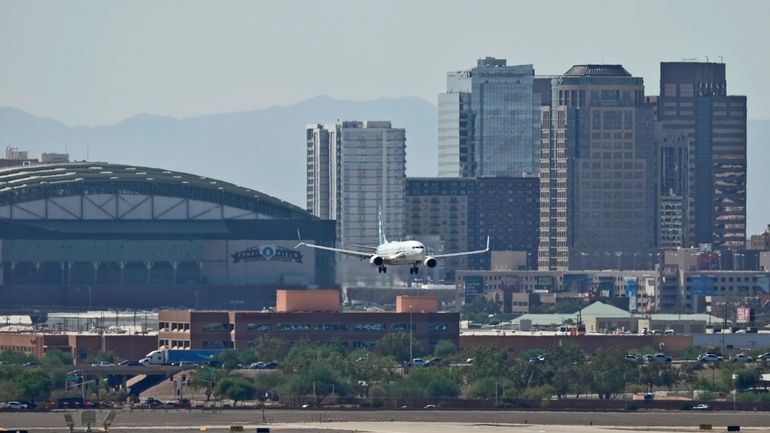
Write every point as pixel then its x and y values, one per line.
pixel 702 285
pixel 474 286
pixel 743 315
pixel 632 289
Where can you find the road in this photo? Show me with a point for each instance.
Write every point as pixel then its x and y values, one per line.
pixel 416 421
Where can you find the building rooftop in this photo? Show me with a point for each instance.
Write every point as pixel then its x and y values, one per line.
pixel 598 71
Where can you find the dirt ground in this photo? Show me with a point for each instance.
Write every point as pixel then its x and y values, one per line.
pixel 414 421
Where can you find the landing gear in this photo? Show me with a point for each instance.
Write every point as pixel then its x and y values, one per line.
pixel 382 270
pixel 414 270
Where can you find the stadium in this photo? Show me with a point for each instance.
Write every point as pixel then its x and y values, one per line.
pixel 120 236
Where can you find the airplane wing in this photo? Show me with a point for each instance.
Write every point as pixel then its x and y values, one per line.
pixel 465 253
pixel 366 247
pixel 360 254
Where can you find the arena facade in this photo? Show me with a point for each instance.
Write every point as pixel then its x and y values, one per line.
pixel 109 235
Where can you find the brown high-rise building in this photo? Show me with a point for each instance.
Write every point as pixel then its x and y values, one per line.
pixel 701 138
pixel 597 172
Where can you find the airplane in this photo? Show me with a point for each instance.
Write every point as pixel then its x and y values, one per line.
pixel 393 253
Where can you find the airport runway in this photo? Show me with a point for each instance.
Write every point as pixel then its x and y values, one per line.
pixel 290 421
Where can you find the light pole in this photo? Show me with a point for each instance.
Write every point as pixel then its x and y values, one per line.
pixel 618 254
pixel 410 333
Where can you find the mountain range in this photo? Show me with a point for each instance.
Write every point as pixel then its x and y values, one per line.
pixel 260 149
pixel 264 149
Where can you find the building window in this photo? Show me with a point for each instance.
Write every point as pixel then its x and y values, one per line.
pixel 369 327
pixel 331 327
pixel 294 327
pixel 402 327
pixel 259 327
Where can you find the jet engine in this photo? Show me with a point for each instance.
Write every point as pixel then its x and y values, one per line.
pixel 376 261
pixel 430 262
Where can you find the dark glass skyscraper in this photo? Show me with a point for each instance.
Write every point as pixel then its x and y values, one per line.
pixel 701 137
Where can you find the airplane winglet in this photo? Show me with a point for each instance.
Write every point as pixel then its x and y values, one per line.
pixel 487 248
pixel 299 237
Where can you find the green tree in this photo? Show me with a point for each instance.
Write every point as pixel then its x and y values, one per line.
pixel 397 345
pixel 229 359
pixel 487 361
pixel 490 387
pixel 540 392
pixel 305 354
pixel 57 357
pixel 444 348
pixel 369 367
pixel 33 385
pixel 610 372
pixel 442 387
pixel 657 374
pixel 268 349
pixel 745 378
pixel 236 388
pixel 205 380
pixel 319 379
pixel 566 353
pixel 15 357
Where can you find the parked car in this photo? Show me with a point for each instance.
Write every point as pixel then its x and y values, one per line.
pixel 257 365
pixel 630 357
pixel 272 365
pixel 540 359
pixel 658 357
pixel 103 364
pixel 31 364
pixel 709 357
pixel 669 331
pixel 188 364
pixel 764 357
pixel 130 363
pixel 419 362
pixel 702 406
pixel 15 405
pixel 152 402
pixel 742 357
pixel 429 406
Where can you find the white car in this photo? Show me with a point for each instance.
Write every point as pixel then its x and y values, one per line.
pixel 702 406
pixel 103 364
pixel 419 362
pixel 709 357
pixel 742 357
pixel 15 405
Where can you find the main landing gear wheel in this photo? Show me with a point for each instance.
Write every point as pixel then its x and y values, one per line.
pixel 414 270
pixel 382 270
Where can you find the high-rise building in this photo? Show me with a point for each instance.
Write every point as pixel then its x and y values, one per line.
pixel 355 170
pixel 597 172
pixel 488 121
pixel 701 139
pixel 442 210
pixel 462 212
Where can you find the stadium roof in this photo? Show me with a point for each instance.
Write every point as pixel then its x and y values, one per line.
pixel 36 182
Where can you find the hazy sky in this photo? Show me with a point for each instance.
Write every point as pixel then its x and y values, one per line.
pixel 97 62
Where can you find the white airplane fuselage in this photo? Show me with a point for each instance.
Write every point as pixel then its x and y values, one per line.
pixel 401 253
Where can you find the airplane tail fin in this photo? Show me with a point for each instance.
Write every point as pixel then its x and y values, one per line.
pixel 382 239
